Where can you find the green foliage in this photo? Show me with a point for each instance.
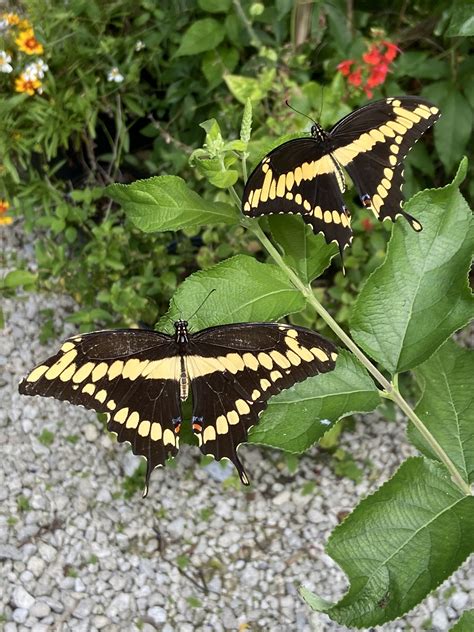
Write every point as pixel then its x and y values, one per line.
pixel 419 296
pixel 447 406
pixel 399 544
pixel 46 437
pixel 297 417
pixel 465 623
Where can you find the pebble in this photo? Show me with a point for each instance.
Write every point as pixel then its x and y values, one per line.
pixel 198 553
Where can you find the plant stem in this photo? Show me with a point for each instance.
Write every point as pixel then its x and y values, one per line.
pixel 390 390
pixel 254 38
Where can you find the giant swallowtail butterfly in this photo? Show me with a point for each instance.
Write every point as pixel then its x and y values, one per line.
pixel 139 379
pixel 305 175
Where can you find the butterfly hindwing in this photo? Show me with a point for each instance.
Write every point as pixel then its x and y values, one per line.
pixel 131 375
pixel 300 177
pixel 234 370
pixel 371 144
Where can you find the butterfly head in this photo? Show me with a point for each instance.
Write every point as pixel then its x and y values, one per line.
pixel 318 133
pixel 181 331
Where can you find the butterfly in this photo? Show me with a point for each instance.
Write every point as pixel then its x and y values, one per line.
pixel 139 378
pixel 305 175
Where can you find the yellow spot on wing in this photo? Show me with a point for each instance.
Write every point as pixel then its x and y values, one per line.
pixel 222 426
pixel 275 375
pixel 144 428
pixel 67 346
pixel 327 217
pixel 121 415
pixel 115 369
pixel 133 419
pixel 319 354
pixel 156 432
pixel 265 384
pixel 233 417
pixel 111 405
pixel 84 371
pixel 280 190
pixel 209 434
pixel 293 357
pixel 58 367
pixel 250 361
pixel 89 389
pixel 265 360
pixel 255 394
pixel 99 371
pixel 280 359
pixel 68 373
pixel 37 373
pixel 266 186
pixel 101 396
pixel 290 180
pixel 242 407
pixel 133 368
pixel 168 437
pixel 298 175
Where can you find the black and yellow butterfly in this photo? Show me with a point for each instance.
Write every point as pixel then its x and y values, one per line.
pixel 139 379
pixel 305 175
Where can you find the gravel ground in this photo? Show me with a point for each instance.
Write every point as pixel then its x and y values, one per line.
pixel 197 554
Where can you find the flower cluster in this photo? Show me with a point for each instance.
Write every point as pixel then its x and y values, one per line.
pixel 372 70
pixel 4 219
pixel 21 33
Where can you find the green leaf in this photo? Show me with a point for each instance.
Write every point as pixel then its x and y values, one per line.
pixel 244 88
pixel 308 254
pixel 447 406
pixel 215 6
pixel 462 20
pixel 201 36
pixel 453 130
pixel 399 544
pixel 244 290
pixel 465 623
pixel 166 203
pixel 419 295
pixel 18 278
pixel 298 416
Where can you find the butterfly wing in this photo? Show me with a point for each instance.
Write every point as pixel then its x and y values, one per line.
pixel 131 375
pixel 371 144
pixel 299 176
pixel 235 369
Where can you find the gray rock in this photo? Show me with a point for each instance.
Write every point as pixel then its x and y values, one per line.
pixel 20 615
pixel 459 601
pixel 9 552
pixel 40 610
pixel 36 565
pixel 157 614
pixel 440 619
pixel 83 609
pixel 22 599
pixel 90 433
pixel 119 606
pixel 100 622
pixel 54 604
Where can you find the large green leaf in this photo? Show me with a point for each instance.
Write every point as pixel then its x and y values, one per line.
pixel 465 623
pixel 462 20
pixel 308 254
pixel 166 203
pixel 447 406
pixel 252 88
pixel 244 290
pixel 203 35
pixel 399 544
pixel 419 295
pixel 297 417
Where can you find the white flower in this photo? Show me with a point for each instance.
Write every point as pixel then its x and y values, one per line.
pixel 114 74
pixel 139 46
pixel 4 25
pixel 5 60
pixel 36 70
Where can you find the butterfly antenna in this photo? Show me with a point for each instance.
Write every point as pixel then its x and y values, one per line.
pixel 298 112
pixel 196 311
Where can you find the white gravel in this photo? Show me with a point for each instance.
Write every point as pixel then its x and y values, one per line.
pixel 196 554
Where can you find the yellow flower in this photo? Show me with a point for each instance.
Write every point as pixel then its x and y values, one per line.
pixel 24 25
pixel 27 42
pixel 6 221
pixel 12 18
pixel 24 84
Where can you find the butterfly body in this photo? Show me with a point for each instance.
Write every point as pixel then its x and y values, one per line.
pixel 305 175
pixel 140 378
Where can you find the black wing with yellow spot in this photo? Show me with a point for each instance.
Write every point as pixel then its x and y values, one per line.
pixel 305 175
pixel 300 176
pixel 235 369
pixel 131 375
pixel 371 144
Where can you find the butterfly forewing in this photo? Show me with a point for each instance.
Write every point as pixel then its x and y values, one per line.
pixel 234 370
pixel 131 375
pixel 371 144
pixel 304 175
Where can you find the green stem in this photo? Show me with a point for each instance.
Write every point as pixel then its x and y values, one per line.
pixel 390 390
pixel 254 38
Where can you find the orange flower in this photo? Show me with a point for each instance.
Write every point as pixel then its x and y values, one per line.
pixel 373 57
pixel 24 84
pixel 377 75
pixel 27 42
pixel 345 67
pixel 391 52
pixel 4 206
pixel 355 78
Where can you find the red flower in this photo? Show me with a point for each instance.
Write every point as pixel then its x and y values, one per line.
pixel 367 224
pixel 368 92
pixel 355 78
pixel 345 67
pixel 373 57
pixel 377 75
pixel 391 52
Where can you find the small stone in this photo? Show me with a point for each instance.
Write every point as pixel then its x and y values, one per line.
pixel 22 599
pixel 40 610
pixel 20 615
pixel 100 621
pixel 10 627
pixel 90 433
pixel 157 614
pixel 36 565
pixel 9 552
pixel 440 619
pixel 282 498
pixel 83 609
pixel 54 604
pixel 459 601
